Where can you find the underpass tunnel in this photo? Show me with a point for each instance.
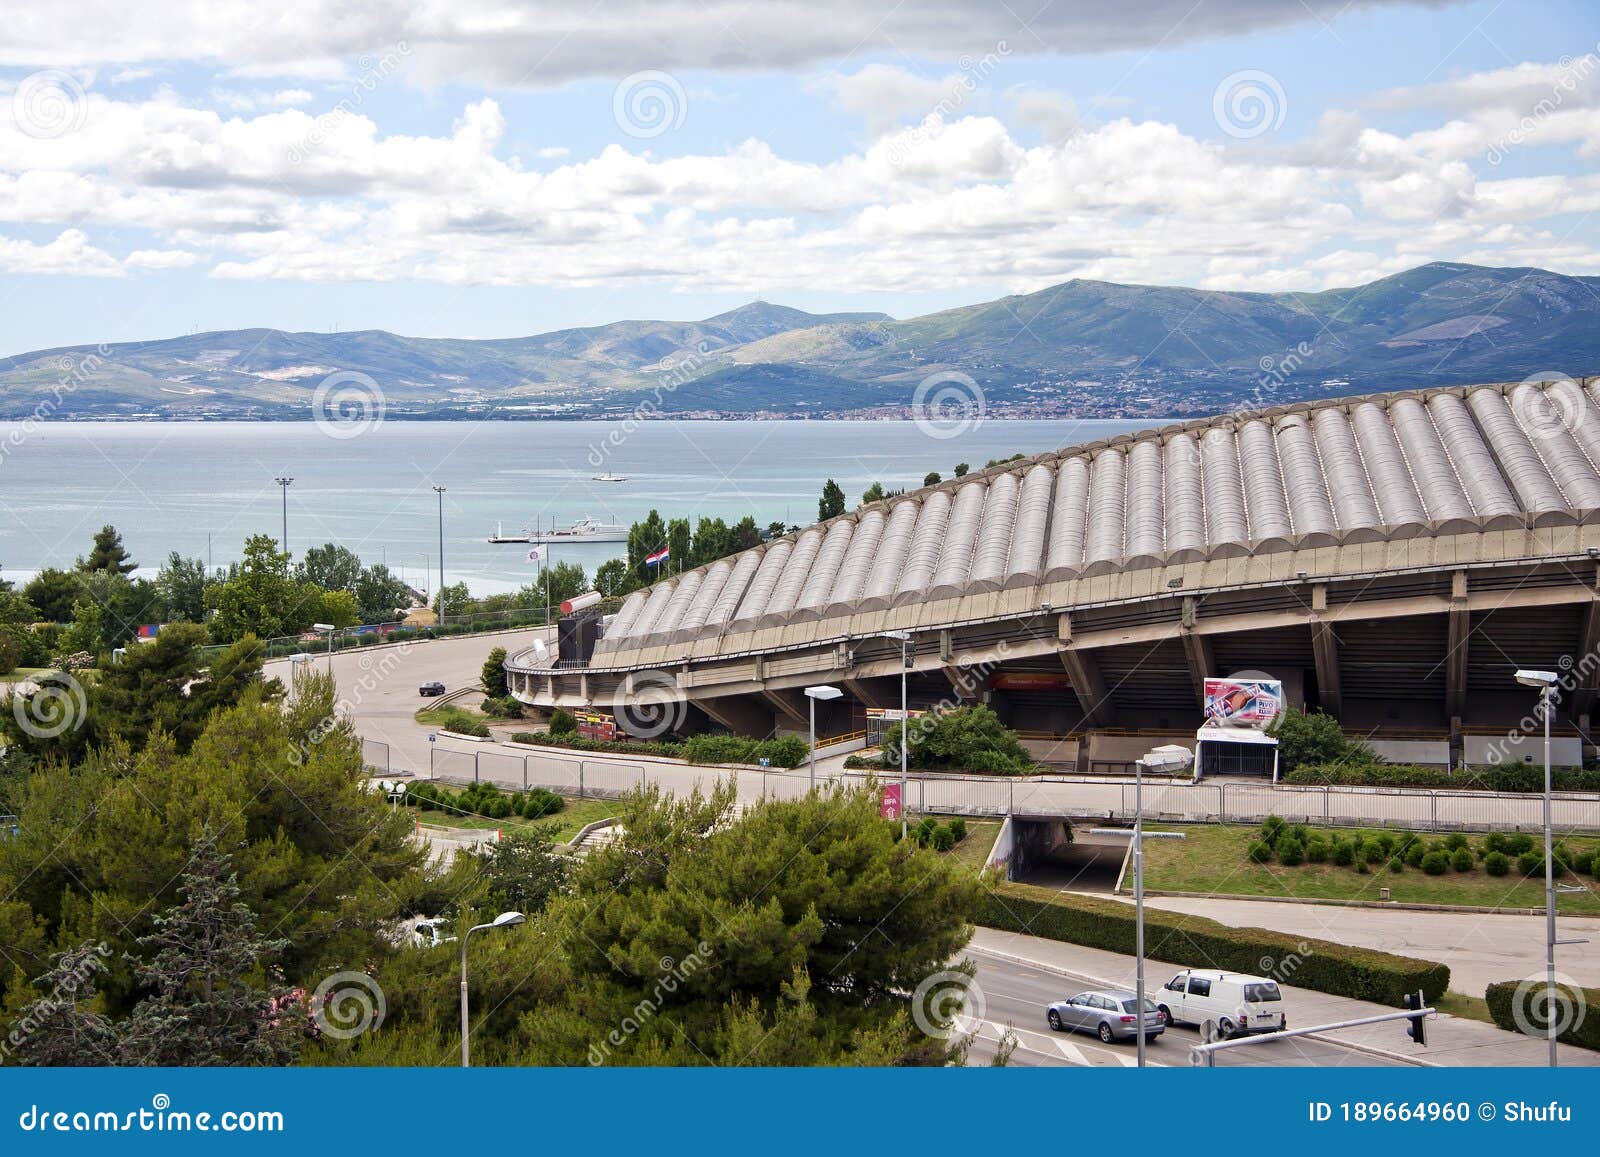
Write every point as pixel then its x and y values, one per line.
pixel 1056 853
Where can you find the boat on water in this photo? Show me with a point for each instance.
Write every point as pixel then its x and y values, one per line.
pixel 608 478
pixel 586 529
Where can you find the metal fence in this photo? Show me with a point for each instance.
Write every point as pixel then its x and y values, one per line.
pixel 375 754
pixel 582 778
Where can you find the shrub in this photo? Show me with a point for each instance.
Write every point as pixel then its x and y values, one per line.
pixel 1494 842
pixel 1361 868
pixel 541 802
pixel 943 839
pixel 1344 853
pixel 457 720
pixel 923 832
pixel 1373 852
pixel 1300 833
pixel 958 829
pixel 563 723
pixel 1260 852
pixel 1516 778
pixel 961 739
pixel 1314 739
pixel 1317 850
pixel 1462 860
pixel 1385 841
pixel 1496 863
pixel 1396 865
pixel 1583 863
pixel 1435 863
pixel 1414 852
pixel 1196 942
pixel 1517 843
pixel 1272 829
pixel 1530 863
pixel 1291 852
pixel 785 751
pixel 1502 999
pixel 504 707
pixel 1455 841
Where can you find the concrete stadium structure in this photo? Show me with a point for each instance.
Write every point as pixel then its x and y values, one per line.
pixel 1391 558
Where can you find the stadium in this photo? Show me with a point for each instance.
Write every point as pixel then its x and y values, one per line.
pixel 1390 558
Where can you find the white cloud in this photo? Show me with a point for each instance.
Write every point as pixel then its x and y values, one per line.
pixel 528 43
pixel 70 254
pixel 160 259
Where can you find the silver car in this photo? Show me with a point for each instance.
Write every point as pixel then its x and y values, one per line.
pixel 1108 1014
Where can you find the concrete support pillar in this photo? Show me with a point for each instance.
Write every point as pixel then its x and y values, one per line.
pixel 1586 663
pixel 1325 651
pixel 790 704
pixel 1084 671
pixel 867 691
pixel 740 714
pixel 1455 695
pixel 1197 649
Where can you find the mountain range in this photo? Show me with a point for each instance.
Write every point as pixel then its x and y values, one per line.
pixel 1086 348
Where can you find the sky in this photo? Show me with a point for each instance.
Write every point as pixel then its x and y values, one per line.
pixel 495 168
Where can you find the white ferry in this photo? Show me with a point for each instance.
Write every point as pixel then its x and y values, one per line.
pixel 586 529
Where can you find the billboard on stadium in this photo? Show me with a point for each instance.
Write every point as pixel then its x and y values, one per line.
pixel 1243 702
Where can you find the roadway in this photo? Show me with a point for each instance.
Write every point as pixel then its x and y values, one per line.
pixel 1014 995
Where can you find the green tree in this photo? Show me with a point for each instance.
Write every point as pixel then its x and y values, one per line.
pixel 259 597
pixel 86 632
pixel 336 607
pixel 1310 738
pixel 964 739
pixel 379 595
pixel 563 580
pixel 645 538
pixel 108 554
pixel 613 578
pixel 746 533
pixel 212 1001
pixel 524 870
pixel 494 674
pixel 182 584
pixel 831 504
pixel 331 567
pixel 65 1025
pixel 873 493
pixel 53 592
pixel 931 478
pixel 453 601
pixel 961 470
pixel 165 684
pixel 681 543
pixel 713 539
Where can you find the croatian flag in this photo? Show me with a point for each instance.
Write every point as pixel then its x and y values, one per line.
pixel 658 557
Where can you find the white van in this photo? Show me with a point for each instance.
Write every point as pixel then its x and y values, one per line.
pixel 1233 1002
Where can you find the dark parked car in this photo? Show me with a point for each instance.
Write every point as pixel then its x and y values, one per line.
pixel 433 688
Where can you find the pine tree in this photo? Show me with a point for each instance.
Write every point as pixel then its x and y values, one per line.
pixel 108 553
pixel 65 1027
pixel 831 504
pixel 212 1003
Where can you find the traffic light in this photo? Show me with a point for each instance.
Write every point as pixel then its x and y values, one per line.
pixel 1416 1026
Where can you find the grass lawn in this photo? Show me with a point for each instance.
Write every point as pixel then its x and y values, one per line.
pixel 1459 1004
pixel 567 821
pixel 1211 859
pixel 436 716
pixel 974 850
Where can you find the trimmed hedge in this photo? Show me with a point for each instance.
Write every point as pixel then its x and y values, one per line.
pixel 659 747
pixel 1507 777
pixel 787 751
pixel 1197 942
pixel 1502 1000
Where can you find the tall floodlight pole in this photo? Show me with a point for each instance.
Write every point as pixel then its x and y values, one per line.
pixel 284 483
pixel 905 721
pixel 439 490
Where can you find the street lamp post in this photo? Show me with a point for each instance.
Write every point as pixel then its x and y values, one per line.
pixel 1546 681
pixel 1171 759
pixel 504 920
pixel 821 691
pixel 284 484
pixel 439 490
pixel 329 628
pixel 905 720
